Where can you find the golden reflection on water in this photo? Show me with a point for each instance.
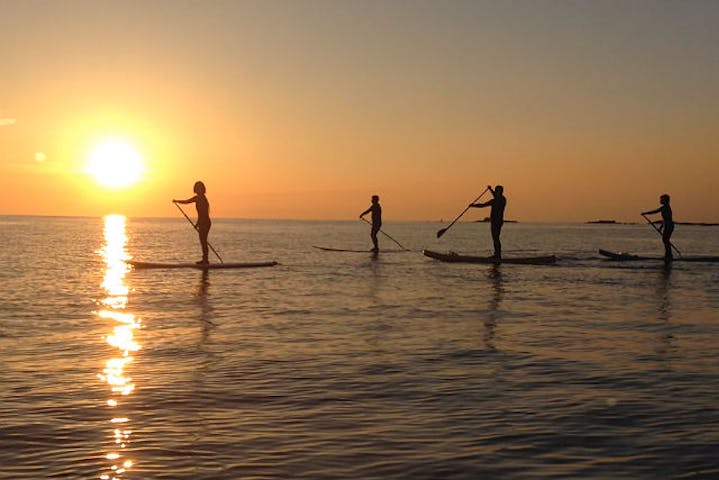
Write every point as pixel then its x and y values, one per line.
pixel 121 337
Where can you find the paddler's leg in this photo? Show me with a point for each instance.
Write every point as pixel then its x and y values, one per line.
pixel 496 231
pixel 204 231
pixel 666 239
pixel 373 235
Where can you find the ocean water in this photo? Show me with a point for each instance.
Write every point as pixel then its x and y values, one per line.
pixel 343 366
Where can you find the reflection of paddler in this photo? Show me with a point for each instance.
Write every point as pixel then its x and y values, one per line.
pixel 662 291
pixel 490 323
pixel 203 217
pixel 206 310
pixel 376 211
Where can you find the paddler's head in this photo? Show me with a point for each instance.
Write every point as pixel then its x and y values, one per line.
pixel 375 198
pixel 664 199
pixel 199 188
pixel 499 189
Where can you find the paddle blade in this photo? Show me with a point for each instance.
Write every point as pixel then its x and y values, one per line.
pixel 441 232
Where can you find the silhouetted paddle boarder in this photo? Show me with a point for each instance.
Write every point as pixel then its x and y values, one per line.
pixel 667 225
pixel 496 215
pixel 376 210
pixel 203 217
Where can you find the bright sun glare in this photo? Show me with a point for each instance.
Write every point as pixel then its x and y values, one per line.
pixel 115 164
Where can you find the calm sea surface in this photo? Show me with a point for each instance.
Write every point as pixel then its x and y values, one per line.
pixel 340 366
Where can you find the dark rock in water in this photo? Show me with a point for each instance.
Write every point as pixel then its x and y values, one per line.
pixel 487 220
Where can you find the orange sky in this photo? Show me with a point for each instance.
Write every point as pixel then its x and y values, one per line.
pixel 582 110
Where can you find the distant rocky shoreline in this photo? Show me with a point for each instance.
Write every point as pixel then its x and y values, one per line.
pixel 614 222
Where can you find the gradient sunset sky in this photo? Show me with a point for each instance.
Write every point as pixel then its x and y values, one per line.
pixel 304 109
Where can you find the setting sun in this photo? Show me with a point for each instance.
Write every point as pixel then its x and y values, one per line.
pixel 115 164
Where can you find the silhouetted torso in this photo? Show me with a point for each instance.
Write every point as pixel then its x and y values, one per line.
pixel 498 203
pixel 667 218
pixel 376 211
pixel 203 209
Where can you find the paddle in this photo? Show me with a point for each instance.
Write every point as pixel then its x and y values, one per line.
pixel 444 230
pixel 660 233
pixel 395 241
pixel 195 227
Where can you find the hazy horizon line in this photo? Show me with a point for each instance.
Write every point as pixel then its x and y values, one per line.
pixel 440 221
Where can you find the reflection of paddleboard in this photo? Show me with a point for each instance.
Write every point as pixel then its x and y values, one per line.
pixel 330 249
pixel 206 266
pixel 626 257
pixel 457 258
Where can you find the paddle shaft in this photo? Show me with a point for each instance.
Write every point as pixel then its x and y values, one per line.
pixel 195 227
pixel 660 233
pixel 383 233
pixel 444 230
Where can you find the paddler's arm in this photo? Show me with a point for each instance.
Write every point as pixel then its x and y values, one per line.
pixel 485 204
pixel 189 200
pixel 365 212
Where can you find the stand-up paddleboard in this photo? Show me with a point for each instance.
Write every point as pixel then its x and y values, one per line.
pixel 628 257
pixel 199 266
pixel 346 250
pixel 457 258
